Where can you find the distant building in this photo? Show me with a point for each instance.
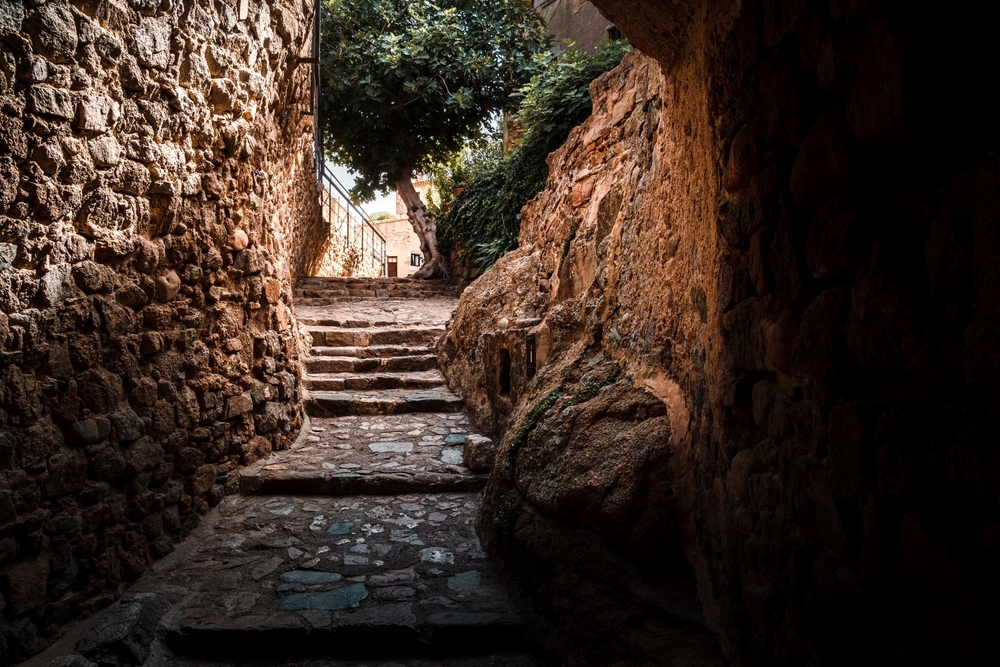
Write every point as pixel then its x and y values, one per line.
pixel 402 245
pixel 577 20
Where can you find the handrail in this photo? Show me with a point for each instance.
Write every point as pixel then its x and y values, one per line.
pixel 342 191
pixel 353 225
pixel 340 211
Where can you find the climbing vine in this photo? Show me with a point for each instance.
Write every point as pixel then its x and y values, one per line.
pixel 485 218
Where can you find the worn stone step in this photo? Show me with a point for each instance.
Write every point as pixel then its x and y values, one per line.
pixel 337 300
pixel 347 323
pixel 347 483
pixel 388 401
pixel 370 290
pixel 344 337
pixel 374 380
pixel 361 577
pixel 372 351
pixel 415 363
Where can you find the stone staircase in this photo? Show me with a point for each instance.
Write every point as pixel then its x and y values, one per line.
pixel 358 545
pixel 358 367
pixel 326 291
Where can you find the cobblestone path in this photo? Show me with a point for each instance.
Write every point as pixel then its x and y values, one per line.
pixel 357 546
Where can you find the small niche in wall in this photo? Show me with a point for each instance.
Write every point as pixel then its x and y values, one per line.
pixel 529 357
pixel 504 372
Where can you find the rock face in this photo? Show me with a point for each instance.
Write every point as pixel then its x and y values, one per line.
pixel 752 325
pixel 156 193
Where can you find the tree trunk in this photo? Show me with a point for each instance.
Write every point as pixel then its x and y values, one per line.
pixel 423 224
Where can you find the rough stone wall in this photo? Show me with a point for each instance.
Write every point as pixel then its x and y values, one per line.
pixel 156 199
pixel 780 223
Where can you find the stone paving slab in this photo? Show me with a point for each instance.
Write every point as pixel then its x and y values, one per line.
pixel 372 351
pixel 430 311
pixel 385 401
pixel 374 380
pixel 333 336
pixel 402 453
pixel 342 576
pixel 495 660
pixel 361 364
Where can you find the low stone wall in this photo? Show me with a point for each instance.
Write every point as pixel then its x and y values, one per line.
pixel 781 222
pixel 156 203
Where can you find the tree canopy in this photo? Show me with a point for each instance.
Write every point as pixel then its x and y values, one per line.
pixel 405 83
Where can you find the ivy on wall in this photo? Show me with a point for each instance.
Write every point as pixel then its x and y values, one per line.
pixel 484 219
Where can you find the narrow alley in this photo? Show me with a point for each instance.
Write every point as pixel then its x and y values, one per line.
pixel 359 541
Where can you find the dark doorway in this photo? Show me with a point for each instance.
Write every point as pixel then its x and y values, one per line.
pixel 505 372
pixel 391 267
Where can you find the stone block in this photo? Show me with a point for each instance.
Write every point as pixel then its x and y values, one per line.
pixel 89 431
pixel 50 101
pixel 202 480
pixel 256 448
pixel 238 240
pixel 272 290
pixel 152 42
pixel 168 286
pixel 144 455
pixel 94 113
pixel 821 348
pixel 127 425
pixel 53 31
pixel 479 453
pixel 106 463
pixel 105 151
pixel 826 160
pixel 238 405
pixel 57 285
pixel 67 473
pixel 742 162
pixel 24 583
pixel 127 630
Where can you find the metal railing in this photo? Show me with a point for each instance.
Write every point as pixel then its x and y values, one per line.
pixel 364 243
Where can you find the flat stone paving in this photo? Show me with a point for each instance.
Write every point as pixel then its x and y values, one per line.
pixel 380 312
pixel 499 660
pixel 381 453
pixel 335 573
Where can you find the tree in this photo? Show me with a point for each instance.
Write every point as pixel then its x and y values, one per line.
pixel 405 82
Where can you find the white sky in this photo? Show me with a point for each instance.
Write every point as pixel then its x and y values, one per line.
pixel 386 203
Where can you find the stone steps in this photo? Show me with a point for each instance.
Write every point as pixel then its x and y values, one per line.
pixel 415 363
pixel 340 300
pixel 373 351
pixel 359 542
pixel 324 483
pixel 389 401
pixel 374 380
pixel 363 337
pixel 363 577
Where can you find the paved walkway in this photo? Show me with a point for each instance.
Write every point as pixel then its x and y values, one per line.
pixel 358 545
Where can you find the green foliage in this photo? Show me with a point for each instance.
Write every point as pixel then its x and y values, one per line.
pixel 507 512
pixel 457 169
pixel 404 84
pixel 381 215
pixel 485 218
pixel 584 393
pixel 531 420
pixel 590 388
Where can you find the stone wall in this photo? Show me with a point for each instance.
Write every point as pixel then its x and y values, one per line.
pixel 156 204
pixel 780 222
